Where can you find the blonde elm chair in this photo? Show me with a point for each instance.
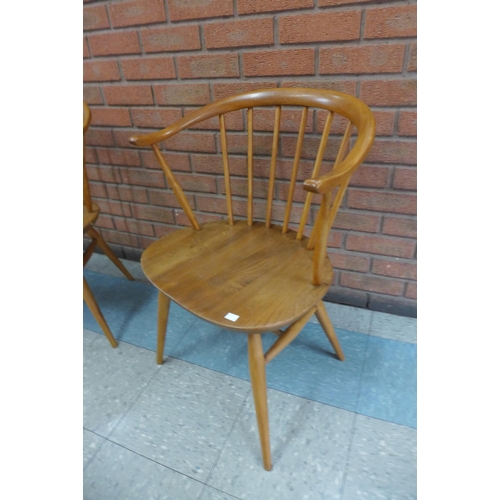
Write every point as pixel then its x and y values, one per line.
pixel 248 276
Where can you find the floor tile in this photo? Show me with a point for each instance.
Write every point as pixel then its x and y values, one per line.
pixel 119 474
pixel 130 309
pixel 183 417
pixel 389 384
pixel 89 336
pixel 349 318
pixel 112 380
pixel 382 462
pixel 390 326
pixel 213 494
pixel 96 262
pixel 307 367
pixel 91 443
pixel 309 446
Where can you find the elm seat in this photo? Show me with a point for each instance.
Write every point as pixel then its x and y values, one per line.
pixel 267 275
pixel 237 269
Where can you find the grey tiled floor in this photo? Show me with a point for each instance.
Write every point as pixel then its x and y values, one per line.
pixel 181 431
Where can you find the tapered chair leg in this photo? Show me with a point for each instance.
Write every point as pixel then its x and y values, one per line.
pixel 163 309
pixel 258 377
pixel 89 299
pixel 325 322
pixel 107 250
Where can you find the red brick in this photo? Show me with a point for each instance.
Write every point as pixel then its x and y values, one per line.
pixel 191 141
pixel 86 53
pixel 95 17
pixel 411 290
pixel 131 95
pixel 310 147
pixel 161 230
pixel 384 121
pixel 90 155
pixel 238 144
pixel 145 241
pixel 350 262
pixel 171 38
pixel 370 176
pixel 320 27
pixel 361 59
pixel 100 71
pixel 114 43
pixel 99 137
pixel 115 208
pixel 371 283
pixel 105 222
pixel 255 6
pixel 103 174
pixel 346 86
pixel 127 193
pixel 199 183
pixel 212 164
pixel 239 187
pixel 263 119
pixel 389 92
pixel 299 194
pixel 405 178
pixel 222 90
pixel 391 22
pixel 327 3
pixel 151 68
pixel 182 220
pixel 180 10
pixel 357 222
pixel 221 65
pixel 142 177
pixel 136 12
pixel 407 125
pixel 122 138
pixel 166 199
pixel 114 117
pixel 395 269
pixel 92 94
pixel 182 94
pixel 412 60
pixel 135 227
pixel 98 190
pixel 155 118
pixel 239 33
pixel 128 240
pixel 279 62
pixel 399 226
pixel 389 151
pixel 177 162
pixel 398 203
pixel 124 157
pixel 233 121
pixel 156 214
pixel 380 245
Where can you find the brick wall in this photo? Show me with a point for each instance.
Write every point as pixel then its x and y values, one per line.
pixel 149 62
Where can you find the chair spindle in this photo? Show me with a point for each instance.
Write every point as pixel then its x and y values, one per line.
pixel 225 160
pixel 295 169
pixel 272 172
pixel 250 167
pixel 317 165
pixel 176 188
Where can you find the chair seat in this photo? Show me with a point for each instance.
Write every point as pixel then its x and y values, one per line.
pixel 258 274
pixel 89 217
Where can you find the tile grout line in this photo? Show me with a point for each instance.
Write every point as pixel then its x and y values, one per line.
pixel 348 458
pixel 226 440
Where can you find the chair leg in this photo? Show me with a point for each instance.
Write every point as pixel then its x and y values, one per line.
pixel 107 250
pixel 325 322
pixel 163 309
pixel 89 299
pixel 258 377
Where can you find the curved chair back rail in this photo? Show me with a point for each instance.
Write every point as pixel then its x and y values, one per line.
pixel 358 115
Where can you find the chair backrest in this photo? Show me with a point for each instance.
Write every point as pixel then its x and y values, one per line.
pixel 87 200
pixel 331 186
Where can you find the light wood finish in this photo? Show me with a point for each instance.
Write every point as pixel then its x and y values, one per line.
pixel 227 180
pixel 325 322
pixel 269 276
pixel 257 368
pixel 163 309
pixel 89 299
pixel 90 215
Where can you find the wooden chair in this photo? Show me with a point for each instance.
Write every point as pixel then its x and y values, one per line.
pixel 254 277
pixel 90 214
